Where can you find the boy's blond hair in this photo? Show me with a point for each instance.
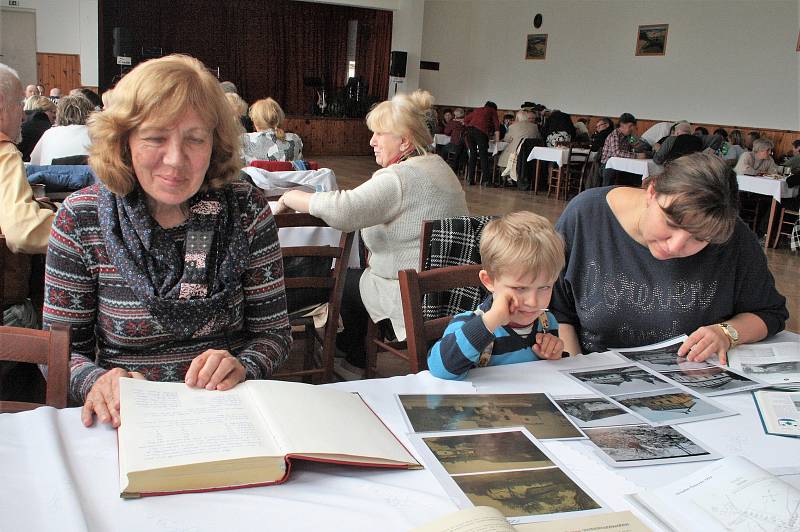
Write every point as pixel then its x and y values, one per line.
pixel 522 242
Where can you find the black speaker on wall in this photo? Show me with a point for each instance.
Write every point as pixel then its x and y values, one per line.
pixel 397 65
pixel 123 41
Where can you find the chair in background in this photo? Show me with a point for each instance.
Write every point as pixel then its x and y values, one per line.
pixel 578 170
pixel 526 170
pixel 555 175
pixel 330 281
pixel 33 346
pixel 786 221
pixel 421 331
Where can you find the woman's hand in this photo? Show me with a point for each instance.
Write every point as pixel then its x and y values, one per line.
pixel 281 207
pixel 103 399
pixel 215 369
pixel 704 342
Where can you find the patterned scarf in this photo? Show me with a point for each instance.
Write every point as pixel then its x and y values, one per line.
pixel 183 291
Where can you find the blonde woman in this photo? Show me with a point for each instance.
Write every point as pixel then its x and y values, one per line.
pixel 413 185
pixel 70 137
pixel 270 142
pixel 40 113
pixel 239 108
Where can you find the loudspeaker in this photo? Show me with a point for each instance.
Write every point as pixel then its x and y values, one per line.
pixel 397 65
pixel 123 42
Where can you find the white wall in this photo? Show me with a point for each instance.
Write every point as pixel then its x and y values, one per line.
pixel 727 61
pixel 67 27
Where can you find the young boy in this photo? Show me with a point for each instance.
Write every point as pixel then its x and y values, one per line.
pixel 522 257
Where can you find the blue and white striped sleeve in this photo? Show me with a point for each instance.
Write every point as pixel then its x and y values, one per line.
pixel 460 347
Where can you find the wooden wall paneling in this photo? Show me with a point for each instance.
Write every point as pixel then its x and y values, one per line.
pixel 331 136
pixel 58 70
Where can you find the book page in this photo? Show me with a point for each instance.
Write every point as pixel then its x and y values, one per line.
pixel 777 363
pixel 780 412
pixel 475 519
pixel 316 421
pixel 167 424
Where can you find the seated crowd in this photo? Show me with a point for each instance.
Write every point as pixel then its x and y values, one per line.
pixel 169 267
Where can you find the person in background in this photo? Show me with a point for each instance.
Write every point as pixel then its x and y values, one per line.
pixel 657 132
pixel 447 116
pixel 228 87
pixel 758 161
pixel 700 131
pixel 505 124
pixel 481 124
pixel 270 142
pixel 518 131
pixel 40 115
pixel 681 142
pixel 70 137
pixel 602 129
pixel 752 136
pixel 619 144
pixel 722 133
pixel 89 94
pixel 169 269
pixel 522 256
pixel 582 130
pixel 648 264
pixel 239 108
pixel 558 129
pixel 55 94
pixel 456 131
pixel 793 159
pixel 735 147
pixel 40 89
pixel 31 90
pixel 412 185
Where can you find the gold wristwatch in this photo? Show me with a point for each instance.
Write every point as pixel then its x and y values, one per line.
pixel 731 333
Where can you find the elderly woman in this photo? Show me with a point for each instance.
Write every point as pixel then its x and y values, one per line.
pixel 759 161
pixel 168 269
pixel 645 265
pixel 270 142
pixel 413 185
pixel 71 137
pixel 239 108
pixel 40 113
pixel 520 130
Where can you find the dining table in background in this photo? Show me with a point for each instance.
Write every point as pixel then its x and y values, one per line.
pixel 775 187
pixel 643 167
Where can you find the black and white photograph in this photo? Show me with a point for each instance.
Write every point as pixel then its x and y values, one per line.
pixel 534 411
pixel 595 412
pixel 771 368
pixel 490 451
pixel 671 406
pixel 663 359
pixel 713 381
pixel 522 493
pixel 620 380
pixel 639 445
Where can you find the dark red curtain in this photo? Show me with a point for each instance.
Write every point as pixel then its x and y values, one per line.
pixel 266 48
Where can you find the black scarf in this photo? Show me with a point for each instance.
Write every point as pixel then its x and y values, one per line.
pixel 183 293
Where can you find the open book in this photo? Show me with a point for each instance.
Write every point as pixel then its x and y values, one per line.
pixel 174 438
pixel 732 494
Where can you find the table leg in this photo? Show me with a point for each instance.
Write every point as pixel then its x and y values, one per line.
pixel 769 224
pixel 558 183
pixel 536 177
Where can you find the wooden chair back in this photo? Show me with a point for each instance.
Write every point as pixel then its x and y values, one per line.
pixel 50 348
pixel 420 334
pixel 786 222
pixel 332 281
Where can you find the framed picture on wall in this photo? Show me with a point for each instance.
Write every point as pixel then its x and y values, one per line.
pixel 652 39
pixel 537 46
pixel 798 42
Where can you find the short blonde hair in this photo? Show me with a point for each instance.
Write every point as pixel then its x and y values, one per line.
pixel 73 110
pixel 405 116
pixel 267 114
pixel 522 242
pixel 39 103
pixel 238 105
pixel 162 90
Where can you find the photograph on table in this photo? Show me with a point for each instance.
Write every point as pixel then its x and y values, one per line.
pixel 640 445
pixel 671 406
pixel 713 381
pixel 486 451
pixel 777 363
pixel 535 411
pixel 536 46
pixel 619 380
pixel 662 356
pixel 651 39
pixel 590 411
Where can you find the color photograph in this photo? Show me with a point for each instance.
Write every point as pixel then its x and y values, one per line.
pixel 534 411
pixel 652 39
pixel 644 444
pixel 595 412
pixel 621 380
pixel 670 406
pixel 521 493
pixel 537 46
pixel 493 451
pixel 713 381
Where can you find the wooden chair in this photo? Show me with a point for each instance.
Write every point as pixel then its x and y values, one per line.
pixel 39 347
pixel 556 173
pixel 332 280
pixel 785 224
pixel 577 170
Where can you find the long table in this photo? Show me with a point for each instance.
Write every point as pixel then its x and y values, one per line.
pixel 767 186
pixel 643 167
pixel 559 156
pixel 58 475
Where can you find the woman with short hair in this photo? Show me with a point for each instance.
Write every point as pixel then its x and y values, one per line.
pixel 758 161
pixel 413 185
pixel 270 142
pixel 170 268
pixel 648 264
pixel 40 113
pixel 70 137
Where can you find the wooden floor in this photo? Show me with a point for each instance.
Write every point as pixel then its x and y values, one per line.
pixel 352 171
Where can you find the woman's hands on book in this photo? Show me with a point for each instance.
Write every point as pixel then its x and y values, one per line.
pixel 103 399
pixel 215 369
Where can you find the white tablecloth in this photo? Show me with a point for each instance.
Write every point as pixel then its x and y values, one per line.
pixel 58 475
pixel 776 188
pixel 557 155
pixel 643 167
